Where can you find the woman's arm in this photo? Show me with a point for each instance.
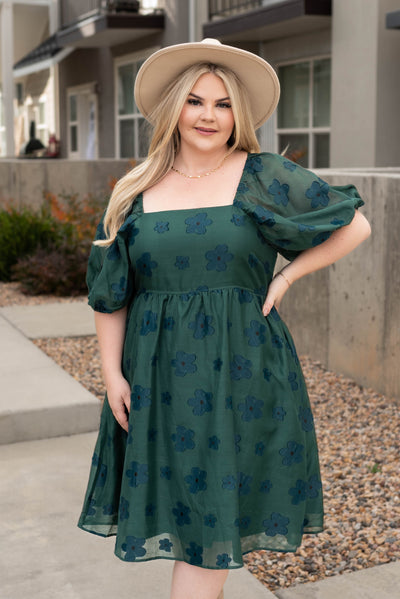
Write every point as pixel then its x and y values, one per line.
pixel 111 335
pixel 339 244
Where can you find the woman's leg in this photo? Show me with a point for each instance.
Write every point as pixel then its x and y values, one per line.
pixel 192 582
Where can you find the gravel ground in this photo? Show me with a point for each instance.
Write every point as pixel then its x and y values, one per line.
pixel 358 434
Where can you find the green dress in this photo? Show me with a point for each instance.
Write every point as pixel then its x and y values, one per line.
pixel 221 455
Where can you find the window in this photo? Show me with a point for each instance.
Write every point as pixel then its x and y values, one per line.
pixel 304 112
pixel 132 138
pixel 42 131
pixel 82 122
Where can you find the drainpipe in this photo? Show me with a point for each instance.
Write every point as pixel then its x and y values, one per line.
pixel 192 20
pixel 7 61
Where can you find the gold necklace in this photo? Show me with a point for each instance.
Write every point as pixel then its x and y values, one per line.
pixel 199 176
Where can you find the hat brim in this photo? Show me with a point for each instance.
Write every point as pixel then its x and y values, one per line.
pixel 165 65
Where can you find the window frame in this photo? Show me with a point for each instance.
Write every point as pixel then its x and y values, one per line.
pixel 126 59
pixel 310 131
pixel 90 90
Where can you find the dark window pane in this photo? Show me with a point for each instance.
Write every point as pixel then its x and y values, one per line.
pixel 293 106
pixel 126 136
pixel 74 138
pixel 322 93
pixel 321 150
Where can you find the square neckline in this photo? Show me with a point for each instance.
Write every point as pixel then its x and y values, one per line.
pixel 199 208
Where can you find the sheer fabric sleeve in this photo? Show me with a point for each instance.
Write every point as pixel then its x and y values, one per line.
pixel 110 276
pixel 293 207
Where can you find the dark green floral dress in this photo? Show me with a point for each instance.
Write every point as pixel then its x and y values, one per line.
pixel 221 456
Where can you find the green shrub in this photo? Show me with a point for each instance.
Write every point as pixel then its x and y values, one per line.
pixel 22 232
pixel 59 269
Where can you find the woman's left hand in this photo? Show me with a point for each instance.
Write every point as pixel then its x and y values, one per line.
pixel 276 290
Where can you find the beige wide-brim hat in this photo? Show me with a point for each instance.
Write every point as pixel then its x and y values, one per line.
pixel 165 65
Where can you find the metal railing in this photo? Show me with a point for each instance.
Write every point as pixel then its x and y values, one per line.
pixel 76 10
pixel 228 8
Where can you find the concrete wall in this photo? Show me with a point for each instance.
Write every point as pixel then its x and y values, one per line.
pixel 348 315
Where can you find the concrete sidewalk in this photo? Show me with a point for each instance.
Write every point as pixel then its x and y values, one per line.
pixel 44 555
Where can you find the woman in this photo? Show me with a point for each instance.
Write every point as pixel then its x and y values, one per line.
pixel 206 447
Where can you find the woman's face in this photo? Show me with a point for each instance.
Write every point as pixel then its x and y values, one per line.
pixel 206 121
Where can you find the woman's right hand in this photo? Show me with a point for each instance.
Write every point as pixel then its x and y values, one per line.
pixel 119 398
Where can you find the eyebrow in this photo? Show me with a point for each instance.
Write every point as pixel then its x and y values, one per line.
pixel 200 98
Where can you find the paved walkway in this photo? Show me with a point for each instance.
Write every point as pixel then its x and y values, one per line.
pixel 43 477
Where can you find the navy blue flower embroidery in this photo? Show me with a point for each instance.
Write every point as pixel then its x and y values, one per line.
pixel 263 216
pixel 134 548
pixel 255 333
pixel 292 380
pixel 218 364
pixel 228 403
pixel 251 408
pixel 150 510
pixel 278 413
pixel 201 402
pixel 306 419
pixel 245 297
pixel 195 552
pixel 238 220
pixel 265 486
pixel 318 194
pixel 165 545
pixel 223 560
pixel 320 238
pixel 210 520
pixel 291 166
pixel 113 252
pixel 299 492
pixel 100 234
pixel 166 398
pixel 198 224
pixel 252 260
pixel 169 323
pixel 240 368
pixel 276 525
pixel 152 435
pixel 119 290
pixel 196 480
pixel 165 472
pixel 102 476
pixel 218 258
pixel 253 165
pixel 267 267
pixel 337 221
pixel 229 482
pixel 130 431
pixel 237 440
pixel 183 438
pixel 202 326
pixel 91 507
pixel 277 341
pixel 123 509
pixel 213 442
pixel 138 474
pixel 302 228
pixel 259 448
pixel 314 485
pixel 181 513
pixel 140 397
pixel 133 230
pixel 146 265
pixel 101 306
pixel 184 363
pixel 243 483
pixel 95 460
pixel 182 262
pixel 267 374
pixel 292 453
pixel 108 509
pixel 161 227
pixel 149 323
pixel 243 522
pixel 279 192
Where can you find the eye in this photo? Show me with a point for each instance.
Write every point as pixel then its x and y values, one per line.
pixel 193 102
pixel 224 105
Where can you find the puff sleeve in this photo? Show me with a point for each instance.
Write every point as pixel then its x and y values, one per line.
pixel 110 276
pixel 294 208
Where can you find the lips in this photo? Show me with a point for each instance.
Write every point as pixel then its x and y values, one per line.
pixel 205 130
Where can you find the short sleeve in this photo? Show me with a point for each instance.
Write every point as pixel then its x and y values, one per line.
pixel 293 207
pixel 110 276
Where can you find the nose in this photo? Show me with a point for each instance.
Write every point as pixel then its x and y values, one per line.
pixel 208 112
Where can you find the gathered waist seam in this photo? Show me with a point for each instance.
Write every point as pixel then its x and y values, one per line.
pixel 200 291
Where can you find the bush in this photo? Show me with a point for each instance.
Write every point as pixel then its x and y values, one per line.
pixel 59 269
pixel 22 232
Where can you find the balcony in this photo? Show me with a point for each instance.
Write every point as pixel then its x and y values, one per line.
pixel 261 20
pixel 96 23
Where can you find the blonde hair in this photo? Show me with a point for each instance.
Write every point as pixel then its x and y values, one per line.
pixel 165 142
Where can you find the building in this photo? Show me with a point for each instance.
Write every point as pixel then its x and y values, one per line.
pixel 75 61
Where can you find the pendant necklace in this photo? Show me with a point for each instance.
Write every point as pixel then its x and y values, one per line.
pixel 202 175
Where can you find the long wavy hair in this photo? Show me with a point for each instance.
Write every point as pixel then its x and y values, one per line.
pixel 165 141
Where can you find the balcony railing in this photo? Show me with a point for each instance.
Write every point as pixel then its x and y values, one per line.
pixel 76 10
pixel 228 8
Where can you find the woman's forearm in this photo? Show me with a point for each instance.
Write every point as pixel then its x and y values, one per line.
pixel 111 335
pixel 339 244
